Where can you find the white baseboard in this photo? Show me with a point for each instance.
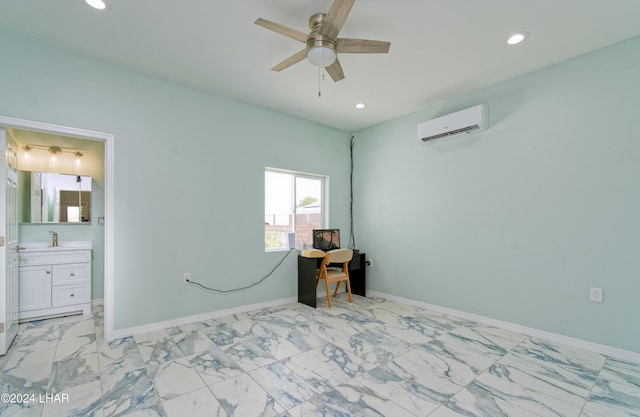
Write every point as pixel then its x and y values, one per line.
pixel 132 331
pixel 528 331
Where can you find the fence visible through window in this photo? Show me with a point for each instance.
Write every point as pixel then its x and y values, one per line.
pixel 294 203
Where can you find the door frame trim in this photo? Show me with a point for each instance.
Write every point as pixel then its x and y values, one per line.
pixel 109 195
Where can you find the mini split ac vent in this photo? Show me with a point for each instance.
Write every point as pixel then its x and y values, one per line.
pixel 473 119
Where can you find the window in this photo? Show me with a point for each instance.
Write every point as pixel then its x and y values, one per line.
pixel 293 203
pixel 73 214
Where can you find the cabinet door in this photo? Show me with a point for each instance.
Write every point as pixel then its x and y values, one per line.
pixel 35 287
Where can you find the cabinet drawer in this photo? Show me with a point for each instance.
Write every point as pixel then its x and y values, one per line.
pixel 71 274
pixel 71 294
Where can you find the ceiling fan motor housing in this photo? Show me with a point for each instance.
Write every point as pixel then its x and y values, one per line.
pixel 321 50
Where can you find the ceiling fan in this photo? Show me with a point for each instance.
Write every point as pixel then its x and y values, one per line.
pixel 322 44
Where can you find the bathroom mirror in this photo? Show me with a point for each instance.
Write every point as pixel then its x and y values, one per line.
pixel 54 198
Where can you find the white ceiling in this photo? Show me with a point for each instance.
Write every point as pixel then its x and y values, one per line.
pixel 439 49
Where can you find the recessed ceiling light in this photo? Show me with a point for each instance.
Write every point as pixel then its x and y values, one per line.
pixel 517 37
pixel 96 4
pixel 360 106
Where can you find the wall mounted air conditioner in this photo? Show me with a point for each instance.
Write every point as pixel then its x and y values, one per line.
pixel 473 119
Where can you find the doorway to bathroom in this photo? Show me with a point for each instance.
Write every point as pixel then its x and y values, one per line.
pixel 96 152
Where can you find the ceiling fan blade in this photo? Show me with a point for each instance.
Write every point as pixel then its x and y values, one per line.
pixel 293 59
pixel 335 18
pixel 283 30
pixel 335 71
pixel 361 46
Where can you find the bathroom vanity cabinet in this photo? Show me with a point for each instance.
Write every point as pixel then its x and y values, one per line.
pixel 54 281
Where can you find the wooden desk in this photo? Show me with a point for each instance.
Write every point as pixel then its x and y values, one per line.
pixel 307 277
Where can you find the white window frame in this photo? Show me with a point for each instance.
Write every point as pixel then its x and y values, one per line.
pixel 324 206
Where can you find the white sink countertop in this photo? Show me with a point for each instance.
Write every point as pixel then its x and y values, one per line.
pixel 46 246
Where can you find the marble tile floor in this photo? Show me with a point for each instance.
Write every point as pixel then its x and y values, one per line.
pixel 373 357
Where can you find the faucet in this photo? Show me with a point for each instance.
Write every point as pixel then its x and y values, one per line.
pixel 54 239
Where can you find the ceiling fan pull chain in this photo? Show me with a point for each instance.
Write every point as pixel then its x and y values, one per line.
pixel 319 79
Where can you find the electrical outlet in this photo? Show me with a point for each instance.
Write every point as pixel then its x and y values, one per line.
pixel 187 277
pixel 596 295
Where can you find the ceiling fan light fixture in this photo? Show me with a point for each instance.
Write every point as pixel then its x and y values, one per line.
pixel 323 43
pixel 321 56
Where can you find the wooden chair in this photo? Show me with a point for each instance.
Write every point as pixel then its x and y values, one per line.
pixel 342 256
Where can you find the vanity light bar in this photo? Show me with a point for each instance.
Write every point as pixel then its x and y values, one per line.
pixel 54 152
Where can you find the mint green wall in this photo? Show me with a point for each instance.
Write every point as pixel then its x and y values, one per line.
pixel 518 222
pixel 515 223
pixel 189 177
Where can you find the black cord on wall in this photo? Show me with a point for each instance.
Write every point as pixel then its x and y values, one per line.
pixel 352 238
pixel 246 287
